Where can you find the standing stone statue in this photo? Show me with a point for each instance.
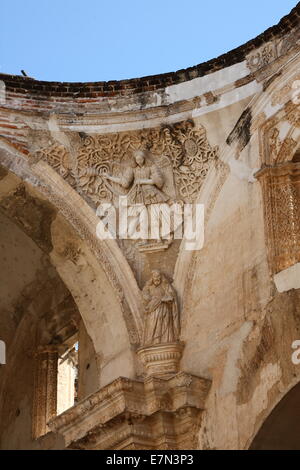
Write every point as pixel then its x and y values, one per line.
pixel 161 311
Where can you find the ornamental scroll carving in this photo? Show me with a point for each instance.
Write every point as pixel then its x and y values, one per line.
pixel 262 57
pixel 280 150
pixel 279 136
pixel 181 152
pixel 281 192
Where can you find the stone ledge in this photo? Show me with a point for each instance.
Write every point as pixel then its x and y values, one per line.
pixel 150 414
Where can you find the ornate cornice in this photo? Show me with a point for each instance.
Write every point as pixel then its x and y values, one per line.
pixel 123 415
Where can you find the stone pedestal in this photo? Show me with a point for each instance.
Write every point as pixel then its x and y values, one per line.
pixel 161 360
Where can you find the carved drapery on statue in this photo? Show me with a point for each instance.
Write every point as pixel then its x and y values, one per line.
pixel 162 323
pixel 162 350
pixel 143 185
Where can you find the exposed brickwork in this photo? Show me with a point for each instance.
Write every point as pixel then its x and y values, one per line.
pixel 86 91
pixel 13 132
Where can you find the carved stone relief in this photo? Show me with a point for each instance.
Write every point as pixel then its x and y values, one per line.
pixel 281 192
pixel 262 57
pixel 280 180
pixel 292 113
pixel 280 150
pixel 176 157
pixel 279 135
pixel 290 41
pixel 181 151
pixel 284 94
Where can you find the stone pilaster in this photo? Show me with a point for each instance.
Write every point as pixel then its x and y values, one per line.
pixel 45 390
pixel 281 194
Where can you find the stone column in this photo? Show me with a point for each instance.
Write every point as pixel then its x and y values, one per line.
pixel 45 389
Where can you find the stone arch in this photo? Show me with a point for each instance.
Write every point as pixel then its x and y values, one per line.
pixel 280 429
pixel 265 373
pixel 268 373
pixel 84 261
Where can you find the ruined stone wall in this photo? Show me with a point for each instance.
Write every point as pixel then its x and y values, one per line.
pixel 224 134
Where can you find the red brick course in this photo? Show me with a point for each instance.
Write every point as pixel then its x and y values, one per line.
pixel 41 90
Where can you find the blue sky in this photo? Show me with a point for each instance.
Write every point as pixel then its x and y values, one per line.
pixel 94 40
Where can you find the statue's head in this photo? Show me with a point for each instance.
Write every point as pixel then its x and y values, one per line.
pixel 139 156
pixel 156 277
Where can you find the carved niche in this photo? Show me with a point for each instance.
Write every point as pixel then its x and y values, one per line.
pixel 280 181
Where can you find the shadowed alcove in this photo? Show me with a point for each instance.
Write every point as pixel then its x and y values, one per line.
pixel 281 430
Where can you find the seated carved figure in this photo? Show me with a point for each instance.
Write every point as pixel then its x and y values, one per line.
pixel 145 187
pixel 161 311
pixel 146 182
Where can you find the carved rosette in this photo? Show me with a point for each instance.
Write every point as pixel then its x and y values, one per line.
pixel 262 57
pixel 161 360
pixel 130 414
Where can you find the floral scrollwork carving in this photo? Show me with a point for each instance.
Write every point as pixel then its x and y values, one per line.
pixel 182 150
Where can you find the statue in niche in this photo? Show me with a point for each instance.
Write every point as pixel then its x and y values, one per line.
pixel 162 324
